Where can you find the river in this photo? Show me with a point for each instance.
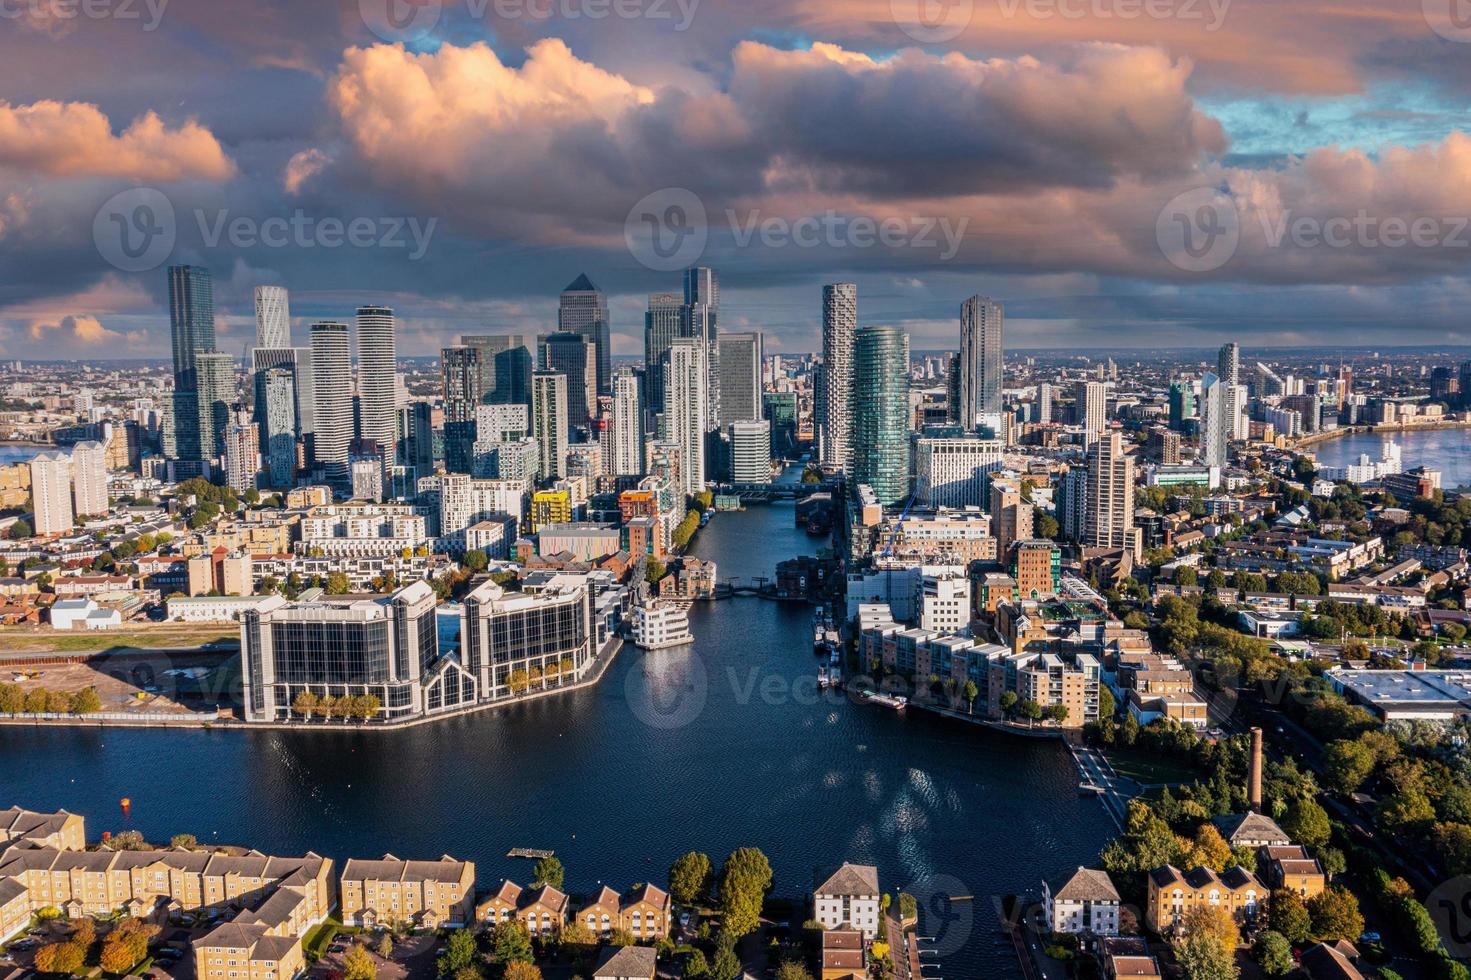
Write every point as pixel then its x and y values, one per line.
pixel 1447 450
pixel 710 747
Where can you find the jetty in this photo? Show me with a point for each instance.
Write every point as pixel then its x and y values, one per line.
pixel 529 852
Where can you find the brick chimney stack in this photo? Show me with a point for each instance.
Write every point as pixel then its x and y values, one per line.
pixel 1254 772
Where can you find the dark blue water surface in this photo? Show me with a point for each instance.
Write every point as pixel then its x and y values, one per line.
pixel 709 747
pixel 1447 450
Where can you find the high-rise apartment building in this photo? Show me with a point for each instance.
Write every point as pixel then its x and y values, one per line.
pixel 1012 516
pixel 242 453
pixel 1216 426
pixel 750 451
pixel 583 310
pixel 1182 404
pixel 461 380
pixel 332 372
pixel 951 471
pixel 686 384
pixel 571 355
pixel 377 379
pixel 1228 363
pixel 740 376
pixel 192 331
pixel 549 422
pixel 1091 409
pixel 1108 520
pixel 272 317
pixel 89 478
pixel 833 408
pixel 880 428
pixel 276 419
pixel 216 397
pixel 51 493
pixel 980 359
pixel 626 425
pixel 298 362
pixel 661 326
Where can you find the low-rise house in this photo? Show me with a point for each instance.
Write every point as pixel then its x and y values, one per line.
pixel 1292 868
pixel 1331 961
pixel 1251 830
pixel 502 904
pixel 842 955
pixel 626 963
pixel 1173 893
pixel 543 910
pixel 645 913
pixel 603 914
pixel 426 894
pixel 849 898
pixel 1083 902
pixel 61 830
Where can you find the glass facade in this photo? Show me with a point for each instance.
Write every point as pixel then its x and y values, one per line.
pixel 881 412
pixel 331 652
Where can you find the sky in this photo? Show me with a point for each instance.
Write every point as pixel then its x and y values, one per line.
pixel 1119 173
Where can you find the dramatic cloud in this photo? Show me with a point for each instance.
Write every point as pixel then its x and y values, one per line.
pixel 72 139
pixel 302 167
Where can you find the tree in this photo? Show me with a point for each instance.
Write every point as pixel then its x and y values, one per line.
pixel 1057 712
pixel 126 945
pixel 510 943
pixel 358 965
pixel 575 933
pixel 86 702
pixel 792 970
pixel 1031 711
pixel 1215 921
pixel 695 967
pixel 19 531
pixel 1335 915
pixel 1205 957
pixel 475 560
pixel 908 907
pixel 970 693
pixel 1210 848
pixel 548 871
pixel 306 704
pixel 338 583
pixel 522 971
pixel 689 878
pixel 385 946
pixel 1307 823
pixel 64 958
pixel 1347 764
pixel 654 570
pixel 1273 954
pixel 185 841
pixel 1288 916
pixel 621 937
pixel 1008 702
pixel 744 879
pixel 726 965
pixel 459 952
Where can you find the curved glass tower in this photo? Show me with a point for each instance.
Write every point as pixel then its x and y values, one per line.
pixel 881 412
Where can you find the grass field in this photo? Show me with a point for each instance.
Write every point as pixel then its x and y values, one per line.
pixel 1142 767
pixel 29 640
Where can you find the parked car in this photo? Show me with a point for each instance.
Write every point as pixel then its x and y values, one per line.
pixel 1369 937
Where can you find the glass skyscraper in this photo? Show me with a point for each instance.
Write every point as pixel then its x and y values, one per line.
pixel 583 310
pixel 192 329
pixel 880 402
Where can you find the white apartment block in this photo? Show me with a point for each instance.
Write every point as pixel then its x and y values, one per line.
pixel 89 478
pixel 51 493
pixel 849 899
pixel 952 472
pixel 356 530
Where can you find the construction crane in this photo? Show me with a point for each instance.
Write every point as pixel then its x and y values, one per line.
pixel 899 524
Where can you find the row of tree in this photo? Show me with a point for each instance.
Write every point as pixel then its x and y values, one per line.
pixel 361 707
pixel 18 700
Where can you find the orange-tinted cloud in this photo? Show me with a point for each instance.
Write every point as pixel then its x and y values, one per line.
pixel 75 139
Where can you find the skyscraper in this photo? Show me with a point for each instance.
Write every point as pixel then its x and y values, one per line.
pixel 702 321
pixel 880 434
pixel 332 371
pixel 1228 363
pixel 661 326
pixel 583 310
pixel 702 286
pixel 1216 425
pixel 750 451
pixel 549 422
pixel 1182 404
pixel 377 381
pixel 573 355
pixel 242 453
pixel 832 410
pixel 980 358
pixel 272 317
pixel 416 437
pixel 51 493
pixel 627 424
pixel 1091 409
pixel 89 478
pixel 506 363
pixel 217 395
pixel 461 372
pixel 1109 511
pixel 192 330
pixel 740 376
pixel 276 419
pixel 686 408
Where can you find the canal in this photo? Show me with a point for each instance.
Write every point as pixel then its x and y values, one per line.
pixel 1447 450
pixel 710 747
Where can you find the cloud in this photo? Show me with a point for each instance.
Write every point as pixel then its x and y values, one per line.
pixel 86 331
pixel 75 139
pixel 302 167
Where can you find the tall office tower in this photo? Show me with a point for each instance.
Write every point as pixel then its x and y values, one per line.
pixel 697 322
pixel 506 363
pixel 242 453
pixel 377 382
pixel 277 426
pixel 549 422
pixel 750 451
pixel 1216 425
pixel 702 286
pixel 1182 404
pixel 1045 392
pixel 661 326
pixel 1091 411
pixel 298 361
pixel 192 329
pixel 1228 363
pixel 272 317
pixel 780 409
pixel 51 493
pixel 686 408
pixel 627 417
pixel 89 478
pixel 832 409
pixel 332 371
pixel 217 394
pixel 416 437
pixel 1464 374
pixel 740 376
pixel 462 371
pixel 584 311
pixel 572 355
pixel 880 439
pixel 980 359
pixel 1108 520
pixel 952 389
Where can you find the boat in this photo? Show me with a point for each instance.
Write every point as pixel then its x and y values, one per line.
pixel 896 701
pixel 1089 789
pixel 659 625
pixel 829 677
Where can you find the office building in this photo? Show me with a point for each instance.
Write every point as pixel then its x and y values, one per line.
pixel 461 369
pixel 297 361
pixel 377 379
pixel 89 479
pixel 571 355
pixel 625 433
pixel 880 427
pixel 980 359
pixel 504 367
pixel 272 317
pixel 780 409
pixel 416 437
pixel 750 451
pixel 686 384
pixel 549 422
pixel 951 471
pixel 332 375
pixel 216 395
pixel 832 408
pixel 192 332
pixel 740 376
pixel 1108 521
pixel 661 326
pixel 583 310
pixel 51 493
pixel 1182 404
pixel 1090 409
pixel 513 641
pixel 277 422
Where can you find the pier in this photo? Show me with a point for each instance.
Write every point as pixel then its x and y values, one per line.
pixel 529 852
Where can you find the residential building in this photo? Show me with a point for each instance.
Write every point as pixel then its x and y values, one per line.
pixel 272 317
pixel 626 963
pixel 421 894
pixel 1091 409
pixel 1291 868
pixel 51 493
pixel 750 451
pixel 61 830
pixel 980 359
pixel 1084 902
pixel 89 479
pixel 626 423
pixel 1173 893
pixel 686 390
pixel 879 434
pixel 1037 568
pixel 1108 520
pixel 242 454
pixel 332 377
pixel 192 332
pixel 740 376
pixel 1217 428
pixel 550 422
pixel 849 898
pixel 661 326
pixel 377 379
pixel 832 406
pixel 952 471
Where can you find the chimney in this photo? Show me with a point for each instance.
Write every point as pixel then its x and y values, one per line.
pixel 1254 772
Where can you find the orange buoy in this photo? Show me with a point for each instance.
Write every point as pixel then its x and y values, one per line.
pixel 127 805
